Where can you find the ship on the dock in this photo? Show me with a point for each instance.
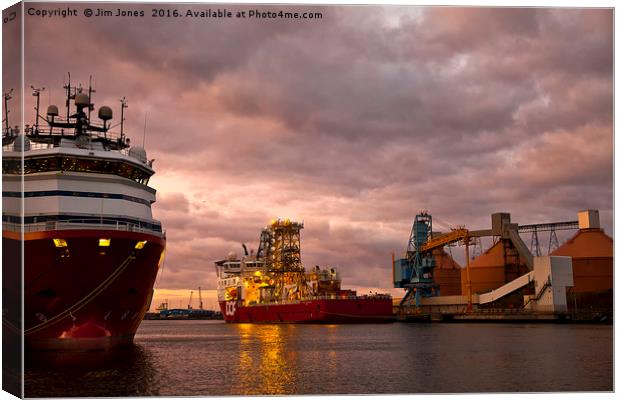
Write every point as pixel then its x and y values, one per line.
pixel 272 286
pixel 76 195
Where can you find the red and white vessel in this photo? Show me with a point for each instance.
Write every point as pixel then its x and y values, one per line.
pixel 272 286
pixel 81 204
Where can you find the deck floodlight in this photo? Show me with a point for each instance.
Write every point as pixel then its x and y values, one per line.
pixel 60 242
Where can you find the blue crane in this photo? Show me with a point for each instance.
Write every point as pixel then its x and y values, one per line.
pixel 415 271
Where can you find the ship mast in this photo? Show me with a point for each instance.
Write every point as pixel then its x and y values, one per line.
pixel 90 93
pixel 7 97
pixel 7 132
pixel 68 101
pixel 123 107
pixel 36 92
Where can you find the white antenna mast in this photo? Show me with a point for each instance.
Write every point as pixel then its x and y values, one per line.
pixel 144 134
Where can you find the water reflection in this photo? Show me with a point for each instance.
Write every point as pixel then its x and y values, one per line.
pixel 269 365
pixel 126 371
pixel 211 358
pixel 331 363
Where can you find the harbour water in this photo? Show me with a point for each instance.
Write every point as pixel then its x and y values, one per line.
pixel 208 358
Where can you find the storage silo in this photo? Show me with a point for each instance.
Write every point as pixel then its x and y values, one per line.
pixel 498 265
pixel 447 273
pixel 592 253
pixel 486 271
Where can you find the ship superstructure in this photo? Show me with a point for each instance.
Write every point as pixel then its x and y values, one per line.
pixel 79 194
pixel 273 286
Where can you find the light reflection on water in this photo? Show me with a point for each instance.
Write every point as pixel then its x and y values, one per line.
pixel 206 358
pixel 271 366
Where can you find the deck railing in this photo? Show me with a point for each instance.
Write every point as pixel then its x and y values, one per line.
pixel 44 146
pixel 73 224
pixel 335 297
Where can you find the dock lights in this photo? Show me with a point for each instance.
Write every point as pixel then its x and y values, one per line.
pixel 140 245
pixel 104 242
pixel 60 242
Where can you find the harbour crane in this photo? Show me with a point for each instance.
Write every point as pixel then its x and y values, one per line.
pixel 199 298
pixel 415 272
pixel 191 294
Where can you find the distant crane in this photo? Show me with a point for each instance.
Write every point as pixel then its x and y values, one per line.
pixel 191 294
pixel 200 298
pixel 163 306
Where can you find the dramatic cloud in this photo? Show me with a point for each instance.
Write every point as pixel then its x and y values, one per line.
pixel 11 71
pixel 352 123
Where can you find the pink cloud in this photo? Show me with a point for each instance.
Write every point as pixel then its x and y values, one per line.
pixel 353 123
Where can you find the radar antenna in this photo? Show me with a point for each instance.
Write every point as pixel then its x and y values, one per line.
pixel 80 121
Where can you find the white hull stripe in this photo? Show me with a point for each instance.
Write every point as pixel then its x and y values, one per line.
pixel 71 193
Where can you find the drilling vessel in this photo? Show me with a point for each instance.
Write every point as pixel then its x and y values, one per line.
pixel 76 197
pixel 272 286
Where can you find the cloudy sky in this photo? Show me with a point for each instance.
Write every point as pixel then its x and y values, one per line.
pixel 352 123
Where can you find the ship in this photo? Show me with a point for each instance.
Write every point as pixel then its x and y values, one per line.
pixel 76 196
pixel 272 286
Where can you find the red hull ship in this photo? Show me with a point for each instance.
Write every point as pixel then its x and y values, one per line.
pixel 373 309
pixel 91 249
pixel 273 287
pixel 106 307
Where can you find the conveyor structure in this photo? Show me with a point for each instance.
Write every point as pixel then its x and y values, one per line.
pixel 415 271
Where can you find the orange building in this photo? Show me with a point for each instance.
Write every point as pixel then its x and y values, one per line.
pixel 593 263
pixel 592 252
pixel 592 258
pixel 495 267
pixel 447 273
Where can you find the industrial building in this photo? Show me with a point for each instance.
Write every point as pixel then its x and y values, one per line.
pixel 447 273
pixel 508 280
pixel 592 253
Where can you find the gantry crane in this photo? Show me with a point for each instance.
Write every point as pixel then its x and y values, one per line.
pixel 415 271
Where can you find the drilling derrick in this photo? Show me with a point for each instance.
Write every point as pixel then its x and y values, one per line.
pixel 283 259
pixel 286 256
